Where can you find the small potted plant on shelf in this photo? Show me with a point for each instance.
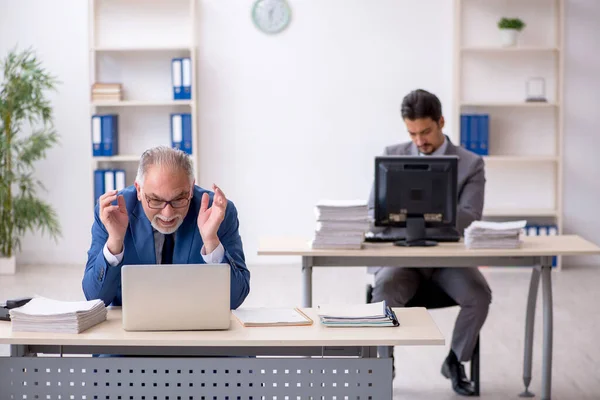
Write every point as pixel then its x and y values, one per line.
pixel 509 29
pixel 26 133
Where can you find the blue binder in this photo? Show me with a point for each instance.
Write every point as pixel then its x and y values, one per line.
pixel 176 131
pixel 186 120
pixel 553 231
pixel 176 79
pixel 181 78
pixel 181 132
pixel 186 78
pixel 484 129
pixel 109 134
pixel 464 131
pixel 98 184
pixel 474 133
pixel 106 180
pixel 97 136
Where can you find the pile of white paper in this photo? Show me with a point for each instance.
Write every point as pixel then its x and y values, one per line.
pixel 341 224
pixel 357 315
pixel 46 315
pixel 494 235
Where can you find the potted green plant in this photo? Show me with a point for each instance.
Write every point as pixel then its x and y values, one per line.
pixel 509 29
pixel 26 133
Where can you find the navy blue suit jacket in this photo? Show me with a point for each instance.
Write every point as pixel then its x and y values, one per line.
pixel 101 281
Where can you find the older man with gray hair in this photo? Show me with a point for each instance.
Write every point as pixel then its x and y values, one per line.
pixel 164 218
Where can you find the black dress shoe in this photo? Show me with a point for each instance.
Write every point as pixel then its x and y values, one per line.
pixel 455 371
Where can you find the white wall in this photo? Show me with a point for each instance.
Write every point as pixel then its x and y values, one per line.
pixel 57 30
pixel 582 137
pixel 288 119
pixel 285 120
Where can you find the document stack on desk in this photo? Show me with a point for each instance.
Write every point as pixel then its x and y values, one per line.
pixel 340 224
pixel 46 315
pixel 357 315
pixel 494 235
pixel 263 316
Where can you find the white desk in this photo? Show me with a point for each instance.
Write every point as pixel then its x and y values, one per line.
pixel 298 361
pixel 536 252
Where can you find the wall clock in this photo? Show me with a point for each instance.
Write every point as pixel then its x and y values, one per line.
pixel 271 16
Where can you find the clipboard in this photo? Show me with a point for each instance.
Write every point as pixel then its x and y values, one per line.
pixel 265 316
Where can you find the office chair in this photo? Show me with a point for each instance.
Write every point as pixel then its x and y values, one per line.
pixel 430 296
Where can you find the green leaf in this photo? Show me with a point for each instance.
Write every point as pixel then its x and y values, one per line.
pixel 26 134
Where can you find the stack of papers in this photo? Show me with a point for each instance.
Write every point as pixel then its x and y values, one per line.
pixel 341 224
pixel 262 316
pixel 46 315
pixel 494 235
pixel 358 315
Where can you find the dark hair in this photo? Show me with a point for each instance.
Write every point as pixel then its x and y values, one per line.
pixel 421 104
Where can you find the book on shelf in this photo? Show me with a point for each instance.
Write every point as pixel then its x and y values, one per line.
pixel 106 92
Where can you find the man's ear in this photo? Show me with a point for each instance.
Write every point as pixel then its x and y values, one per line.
pixel 138 190
pixel 441 122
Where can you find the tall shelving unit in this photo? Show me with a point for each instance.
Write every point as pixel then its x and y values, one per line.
pixel 133 43
pixel 524 168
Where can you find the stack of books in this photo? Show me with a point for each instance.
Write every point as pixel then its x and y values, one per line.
pixel 108 92
pixel 358 315
pixel 47 315
pixel 340 224
pixel 494 235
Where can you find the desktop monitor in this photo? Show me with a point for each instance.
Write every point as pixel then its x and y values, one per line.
pixel 416 193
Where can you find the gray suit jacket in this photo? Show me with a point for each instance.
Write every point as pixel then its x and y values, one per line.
pixel 471 181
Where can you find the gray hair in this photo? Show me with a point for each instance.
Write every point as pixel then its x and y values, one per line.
pixel 165 157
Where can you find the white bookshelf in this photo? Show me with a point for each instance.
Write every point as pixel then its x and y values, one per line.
pixel 524 168
pixel 133 43
pixel 119 158
pixel 516 212
pixel 508 104
pixel 141 49
pixel 143 103
pixel 520 159
pixel 497 49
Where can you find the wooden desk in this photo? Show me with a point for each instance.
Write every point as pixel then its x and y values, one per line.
pixel 536 252
pixel 284 361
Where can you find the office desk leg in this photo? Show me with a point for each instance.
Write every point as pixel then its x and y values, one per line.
pixel 548 327
pixel 18 350
pixel 307 266
pixel 529 323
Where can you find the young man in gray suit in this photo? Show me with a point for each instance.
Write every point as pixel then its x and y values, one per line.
pixel 422 114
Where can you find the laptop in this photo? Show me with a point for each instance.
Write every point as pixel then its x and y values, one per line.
pixel 176 297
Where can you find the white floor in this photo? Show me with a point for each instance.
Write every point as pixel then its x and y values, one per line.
pixel 576 366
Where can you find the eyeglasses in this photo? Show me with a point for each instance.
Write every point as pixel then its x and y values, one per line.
pixel 160 204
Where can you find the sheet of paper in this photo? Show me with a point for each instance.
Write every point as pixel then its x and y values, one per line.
pixel 264 315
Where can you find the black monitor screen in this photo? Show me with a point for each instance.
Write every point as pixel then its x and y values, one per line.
pixel 415 186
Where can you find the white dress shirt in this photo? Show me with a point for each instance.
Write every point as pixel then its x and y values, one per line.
pixel 215 257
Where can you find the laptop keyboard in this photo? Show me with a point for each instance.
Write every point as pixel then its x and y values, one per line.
pixel 436 234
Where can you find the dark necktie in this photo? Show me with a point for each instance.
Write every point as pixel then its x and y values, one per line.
pixel 167 250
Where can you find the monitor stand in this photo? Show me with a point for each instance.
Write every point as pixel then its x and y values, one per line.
pixel 415 234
